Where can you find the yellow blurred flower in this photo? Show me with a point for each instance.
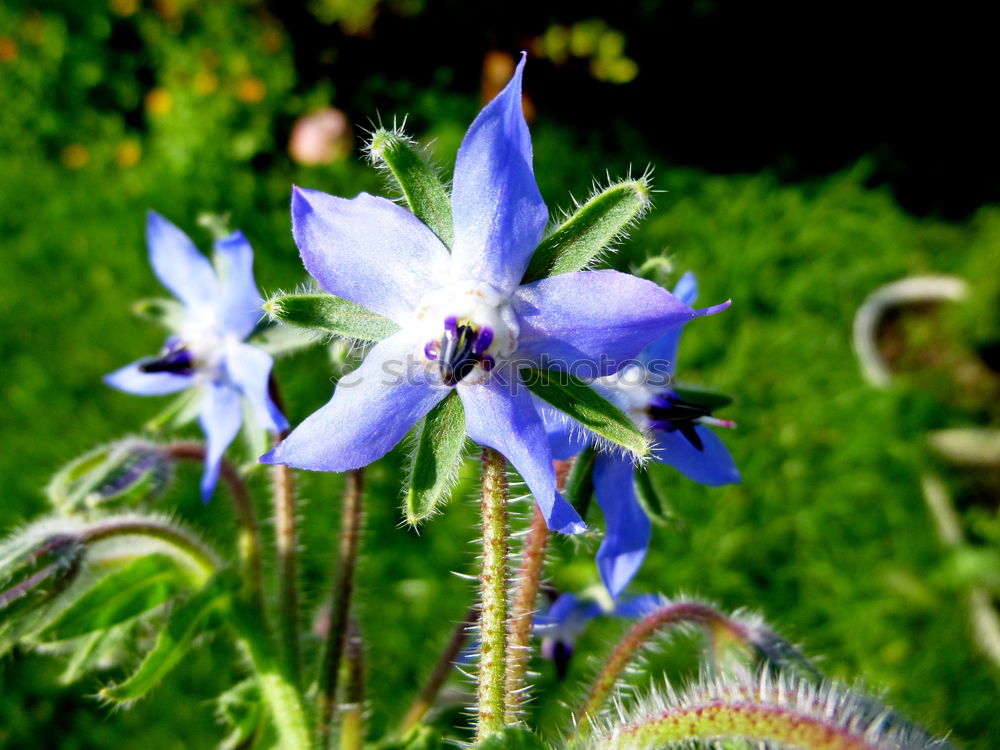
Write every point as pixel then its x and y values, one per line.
pixel 159 101
pixel 75 156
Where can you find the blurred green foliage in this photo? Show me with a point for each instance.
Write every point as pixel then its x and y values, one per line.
pixel 183 107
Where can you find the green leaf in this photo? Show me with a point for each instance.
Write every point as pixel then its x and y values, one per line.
pixel 324 312
pixel 437 457
pixel 593 228
pixel 656 508
pixel 579 485
pixel 174 640
pixel 707 397
pixel 513 738
pixel 119 596
pixel 168 313
pixel 421 186
pixel 280 341
pixel 571 395
pixel 239 710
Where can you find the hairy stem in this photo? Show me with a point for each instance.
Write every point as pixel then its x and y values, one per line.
pixel 352 728
pixel 203 557
pixel 340 607
pixel 737 720
pixel 494 603
pixel 281 696
pixel 428 693
pixel 246 518
pixel 528 577
pixel 670 614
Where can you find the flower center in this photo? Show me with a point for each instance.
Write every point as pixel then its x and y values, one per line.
pixel 199 349
pixel 463 329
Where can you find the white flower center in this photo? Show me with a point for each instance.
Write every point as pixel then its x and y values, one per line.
pixel 463 329
pixel 631 389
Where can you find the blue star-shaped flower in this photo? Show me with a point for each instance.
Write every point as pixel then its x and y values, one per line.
pixel 465 321
pixel 681 439
pixel 207 350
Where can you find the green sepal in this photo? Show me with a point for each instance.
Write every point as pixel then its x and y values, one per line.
pixel 280 341
pixel 424 192
pixel 593 228
pixel 439 448
pixel 513 738
pixel 579 486
pixel 701 396
pixel 571 395
pixel 128 469
pixel 175 639
pixel 119 596
pixel 168 313
pixel 324 312
pixel 657 510
pixel 95 651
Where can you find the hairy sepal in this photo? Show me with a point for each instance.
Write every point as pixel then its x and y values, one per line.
pixel 423 190
pixel 571 395
pixel 595 226
pixel 438 450
pixel 330 314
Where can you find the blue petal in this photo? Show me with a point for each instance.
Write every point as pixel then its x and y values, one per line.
pixel 627 529
pixel 368 250
pixel 503 417
pixel 592 323
pixel 178 264
pixel 132 380
pixel 499 214
pixel 686 289
pixel 239 299
pixel 371 410
pixel 221 416
pixel 663 351
pixel 250 370
pixel 713 466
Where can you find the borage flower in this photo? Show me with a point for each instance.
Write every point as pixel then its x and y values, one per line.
pixel 207 349
pixel 569 614
pixel 465 322
pixel 645 391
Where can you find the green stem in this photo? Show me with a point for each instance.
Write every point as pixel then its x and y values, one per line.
pixel 279 693
pixel 493 597
pixel 529 575
pixel 246 519
pixel 288 571
pixel 340 607
pixel 352 727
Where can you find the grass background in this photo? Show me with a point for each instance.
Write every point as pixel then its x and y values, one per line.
pixel 828 535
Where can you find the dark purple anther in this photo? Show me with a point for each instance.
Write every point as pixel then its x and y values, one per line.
pixel 451 326
pixel 174 358
pixel 431 349
pixel 488 362
pixel 668 412
pixel 483 340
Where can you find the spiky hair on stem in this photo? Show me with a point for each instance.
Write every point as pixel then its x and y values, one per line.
pixel 765 709
pixel 669 618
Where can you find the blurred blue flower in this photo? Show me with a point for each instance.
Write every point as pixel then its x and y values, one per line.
pixel 569 615
pixel 681 439
pixel 464 318
pixel 207 349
